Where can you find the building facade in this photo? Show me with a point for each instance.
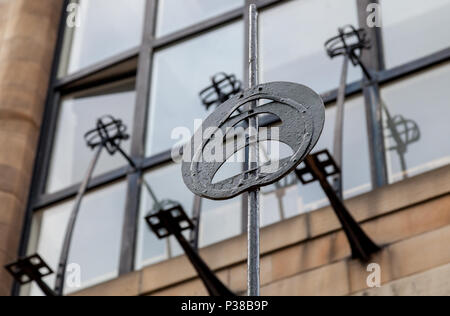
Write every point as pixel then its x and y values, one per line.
pixel 63 64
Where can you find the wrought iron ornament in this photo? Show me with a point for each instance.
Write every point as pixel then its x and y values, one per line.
pixel 302 114
pixel 223 87
pixel 32 269
pixel 110 133
pixel 168 218
pixel 318 167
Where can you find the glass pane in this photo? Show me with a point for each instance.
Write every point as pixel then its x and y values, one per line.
pixel 291 198
pixel 180 72
pixel 103 28
pixel 174 15
pixel 416 137
pixel 414 29
pixel 292 42
pixel 96 239
pixel 78 114
pixel 220 220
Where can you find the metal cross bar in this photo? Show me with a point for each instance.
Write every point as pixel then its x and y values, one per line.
pixel 317 166
pixel 171 220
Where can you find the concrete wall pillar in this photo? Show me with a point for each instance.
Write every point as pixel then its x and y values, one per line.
pixel 28 32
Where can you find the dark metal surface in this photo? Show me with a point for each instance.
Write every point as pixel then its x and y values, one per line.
pixel 299 108
pixel 324 162
pixel 109 133
pixel 31 269
pixel 170 219
pixel 317 166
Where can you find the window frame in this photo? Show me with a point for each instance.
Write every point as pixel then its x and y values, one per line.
pixel 138 65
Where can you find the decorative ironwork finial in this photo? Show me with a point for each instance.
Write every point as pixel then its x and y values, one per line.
pixel 109 132
pixel 302 114
pixel 350 41
pixel 223 87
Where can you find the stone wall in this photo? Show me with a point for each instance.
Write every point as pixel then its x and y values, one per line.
pixel 28 31
pixel 309 254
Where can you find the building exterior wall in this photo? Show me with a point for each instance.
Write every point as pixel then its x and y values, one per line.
pixel 28 31
pixel 304 255
pixel 309 254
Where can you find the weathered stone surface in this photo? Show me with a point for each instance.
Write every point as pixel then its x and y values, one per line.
pixel 127 285
pixel 28 31
pixel 435 282
pixel 327 281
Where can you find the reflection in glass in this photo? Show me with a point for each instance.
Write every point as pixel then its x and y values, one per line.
pixel 96 239
pixel 289 198
pixel 292 42
pixel 106 28
pixel 220 220
pixel 414 28
pixel 79 114
pixel 422 109
pixel 174 15
pixel 179 73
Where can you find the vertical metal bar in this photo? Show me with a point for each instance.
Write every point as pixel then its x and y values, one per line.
pixel 374 60
pixel 61 272
pixel 130 224
pixel 245 80
pixel 196 217
pixel 339 127
pixel 254 195
pixel 375 134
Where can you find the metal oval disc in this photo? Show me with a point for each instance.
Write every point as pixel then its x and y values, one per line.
pixel 302 115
